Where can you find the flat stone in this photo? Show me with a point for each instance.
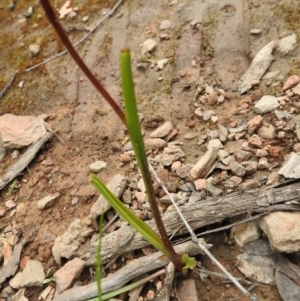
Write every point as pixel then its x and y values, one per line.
pixel 67 244
pixel 257 262
pixel 287 44
pixel 97 166
pixel 141 197
pixel 215 191
pixel 245 233
pixel 215 143
pixel 237 168
pixel 20 131
pixel 254 124
pixel 165 24
pixel 32 275
pixel 163 130
pixel 296 89
pixel 47 201
pixel 66 275
pixel 283 230
pixel 85 19
pixel 117 185
pixel 155 143
pixel 170 154
pixel 266 104
pixel 223 132
pixel 267 132
pixel 191 135
pixel 291 82
pixel 10 204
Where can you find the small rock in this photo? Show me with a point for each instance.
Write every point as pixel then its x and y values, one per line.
pixel 287 44
pixel 165 24
pixel 266 104
pixel 261 153
pixel 235 181
pixel 148 46
pixel 65 276
pixel 85 19
pixel 2 211
pixel 155 143
pixel 97 166
pixel 215 191
pixel 223 132
pixel 207 115
pixel 165 199
pixel 29 12
pixel 256 95
pixel 126 196
pixel 241 155
pixel 10 204
pixel 267 132
pixel 215 143
pixel 254 124
pixel 175 165
pixel 47 201
pixel 245 233
pixel 255 141
pixel 212 98
pixel 255 31
pixel 32 275
pixel 250 185
pixel 200 184
pixel 162 131
pixel 72 14
pixel 191 135
pixel 214 119
pixel 283 230
pixel 162 63
pixel 291 82
pixel 263 163
pixel 237 168
pixel 283 115
pixel 74 201
pixel 34 49
pixel 183 171
pixel 141 197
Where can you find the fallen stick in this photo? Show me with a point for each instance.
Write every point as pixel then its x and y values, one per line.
pixel 4 91
pixel 80 41
pixel 198 215
pixel 24 161
pixel 134 269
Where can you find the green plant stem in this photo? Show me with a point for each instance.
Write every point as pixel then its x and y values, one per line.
pixel 136 138
pixel 99 259
pixel 65 40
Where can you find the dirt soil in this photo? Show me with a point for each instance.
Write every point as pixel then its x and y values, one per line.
pixel 220 46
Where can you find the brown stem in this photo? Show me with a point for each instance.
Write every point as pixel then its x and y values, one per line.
pixel 65 40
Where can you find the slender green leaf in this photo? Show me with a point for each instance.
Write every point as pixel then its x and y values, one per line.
pixel 130 217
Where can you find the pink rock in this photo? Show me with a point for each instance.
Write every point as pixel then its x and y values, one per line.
pixel 20 131
pixel 200 184
pixel 255 141
pixel 254 124
pixel 65 276
pixel 155 143
pixel 212 98
pixel 292 81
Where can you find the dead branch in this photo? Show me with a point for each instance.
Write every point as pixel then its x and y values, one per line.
pixel 198 215
pixel 4 91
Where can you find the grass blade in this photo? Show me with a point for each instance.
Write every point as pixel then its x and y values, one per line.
pixel 130 217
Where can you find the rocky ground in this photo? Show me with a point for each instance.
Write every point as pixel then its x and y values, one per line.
pixel 204 138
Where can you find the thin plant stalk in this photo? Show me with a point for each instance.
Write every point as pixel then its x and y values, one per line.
pixel 99 259
pixel 65 40
pixel 134 129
